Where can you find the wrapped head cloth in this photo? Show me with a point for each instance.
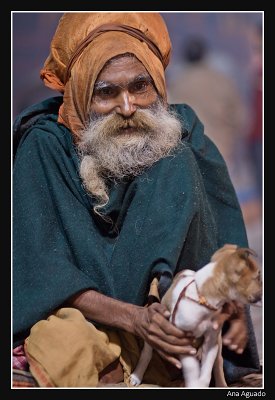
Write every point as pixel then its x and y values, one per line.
pixel 84 42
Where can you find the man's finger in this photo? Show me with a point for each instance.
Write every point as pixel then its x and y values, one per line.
pixel 219 320
pixel 172 360
pixel 172 349
pixel 165 326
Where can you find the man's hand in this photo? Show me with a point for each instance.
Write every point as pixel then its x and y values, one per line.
pixel 151 324
pixel 236 337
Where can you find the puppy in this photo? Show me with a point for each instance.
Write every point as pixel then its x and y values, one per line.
pixel 194 298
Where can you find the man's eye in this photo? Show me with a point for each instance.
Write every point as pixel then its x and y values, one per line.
pixel 106 92
pixel 140 87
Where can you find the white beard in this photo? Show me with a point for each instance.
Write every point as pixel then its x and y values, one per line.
pixel 106 151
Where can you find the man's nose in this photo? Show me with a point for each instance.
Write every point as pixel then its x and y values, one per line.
pixel 126 104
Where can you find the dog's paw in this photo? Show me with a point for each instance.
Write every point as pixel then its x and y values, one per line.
pixel 203 382
pixel 135 380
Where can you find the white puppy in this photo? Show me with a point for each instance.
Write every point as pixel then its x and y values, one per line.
pixel 194 297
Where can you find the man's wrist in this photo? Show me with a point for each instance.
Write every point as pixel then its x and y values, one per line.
pixel 106 311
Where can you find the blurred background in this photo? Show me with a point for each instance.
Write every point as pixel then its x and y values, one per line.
pixel 215 67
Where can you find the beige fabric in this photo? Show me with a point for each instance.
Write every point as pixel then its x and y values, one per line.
pixel 217 102
pixel 70 350
pixel 154 290
pixel 72 29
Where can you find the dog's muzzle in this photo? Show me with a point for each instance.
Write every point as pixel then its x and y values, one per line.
pixel 256 300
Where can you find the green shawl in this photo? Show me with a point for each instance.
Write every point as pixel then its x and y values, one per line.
pixel 174 216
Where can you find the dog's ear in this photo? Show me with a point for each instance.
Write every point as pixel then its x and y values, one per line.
pixel 224 251
pixel 237 262
pixel 234 265
pixel 244 252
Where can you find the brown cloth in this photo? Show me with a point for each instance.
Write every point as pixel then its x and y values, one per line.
pixel 78 81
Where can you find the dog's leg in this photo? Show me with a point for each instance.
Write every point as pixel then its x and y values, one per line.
pixel 209 354
pixel 145 357
pixel 190 370
pixel 218 366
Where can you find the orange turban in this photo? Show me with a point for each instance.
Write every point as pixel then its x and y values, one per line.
pixel 84 42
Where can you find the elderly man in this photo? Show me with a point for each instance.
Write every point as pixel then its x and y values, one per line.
pixel 114 188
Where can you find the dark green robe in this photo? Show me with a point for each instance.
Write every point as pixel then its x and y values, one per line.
pixel 173 216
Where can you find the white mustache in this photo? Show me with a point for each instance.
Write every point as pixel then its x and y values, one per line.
pixel 106 153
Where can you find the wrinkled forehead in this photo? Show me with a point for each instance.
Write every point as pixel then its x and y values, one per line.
pixel 124 67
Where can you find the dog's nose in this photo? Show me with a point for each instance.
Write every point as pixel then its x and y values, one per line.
pixel 257 298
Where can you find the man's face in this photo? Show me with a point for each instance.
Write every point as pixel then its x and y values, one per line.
pixel 122 87
pixel 130 128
